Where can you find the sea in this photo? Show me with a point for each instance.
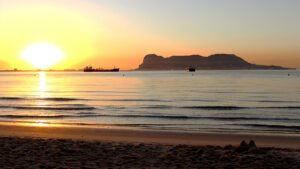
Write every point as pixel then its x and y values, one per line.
pixel 210 101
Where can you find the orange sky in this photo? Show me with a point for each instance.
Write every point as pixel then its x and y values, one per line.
pixel 115 33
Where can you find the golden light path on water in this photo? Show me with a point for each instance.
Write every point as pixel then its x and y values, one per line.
pixel 43 86
pixel 42 89
pixel 43 92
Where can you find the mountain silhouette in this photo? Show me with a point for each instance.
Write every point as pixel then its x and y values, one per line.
pixel 212 62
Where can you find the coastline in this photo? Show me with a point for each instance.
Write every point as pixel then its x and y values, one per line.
pixel 146 136
pixel 77 147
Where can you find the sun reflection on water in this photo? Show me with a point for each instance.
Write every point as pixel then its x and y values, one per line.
pixel 42 88
pixel 41 123
pixel 43 85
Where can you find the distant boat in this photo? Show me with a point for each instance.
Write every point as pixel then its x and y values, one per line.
pixel 90 69
pixel 190 69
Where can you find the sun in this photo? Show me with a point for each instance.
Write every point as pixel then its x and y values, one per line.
pixel 42 55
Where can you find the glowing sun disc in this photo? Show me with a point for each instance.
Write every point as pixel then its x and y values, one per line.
pixel 42 55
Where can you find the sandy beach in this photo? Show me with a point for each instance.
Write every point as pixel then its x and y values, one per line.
pixel 75 147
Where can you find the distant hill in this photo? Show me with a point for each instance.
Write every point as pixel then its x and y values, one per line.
pixel 213 62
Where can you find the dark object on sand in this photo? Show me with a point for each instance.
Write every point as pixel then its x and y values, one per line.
pixel 242 147
pixel 243 144
pixel 252 144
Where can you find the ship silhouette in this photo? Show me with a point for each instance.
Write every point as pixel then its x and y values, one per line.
pixel 91 69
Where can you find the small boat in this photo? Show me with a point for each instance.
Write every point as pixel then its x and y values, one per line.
pixel 90 69
pixel 190 69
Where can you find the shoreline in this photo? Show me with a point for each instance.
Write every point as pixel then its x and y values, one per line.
pixel 65 147
pixel 146 136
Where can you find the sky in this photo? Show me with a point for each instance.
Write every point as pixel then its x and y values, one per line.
pixel 120 33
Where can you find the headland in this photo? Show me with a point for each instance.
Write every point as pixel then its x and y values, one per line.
pixel 212 62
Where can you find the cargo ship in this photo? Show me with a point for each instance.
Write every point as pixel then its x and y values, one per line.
pixel 91 69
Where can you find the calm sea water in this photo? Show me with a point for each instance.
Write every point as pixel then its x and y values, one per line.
pixel 204 101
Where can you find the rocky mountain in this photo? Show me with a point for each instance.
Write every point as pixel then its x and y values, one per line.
pixel 213 62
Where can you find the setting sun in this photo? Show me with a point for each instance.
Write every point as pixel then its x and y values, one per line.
pixel 42 55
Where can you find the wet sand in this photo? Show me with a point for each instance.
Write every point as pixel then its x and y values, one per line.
pixel 72 147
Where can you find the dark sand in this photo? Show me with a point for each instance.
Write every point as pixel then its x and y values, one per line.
pixel 64 147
